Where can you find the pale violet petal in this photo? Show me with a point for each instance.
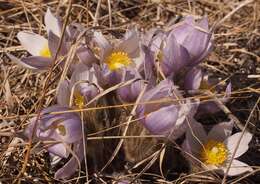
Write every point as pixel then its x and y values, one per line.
pixel 63 93
pixel 59 150
pixel 32 42
pixel 237 168
pixel 195 136
pixel 193 79
pixel 221 131
pixel 36 63
pixel 71 166
pixel 52 23
pixel 130 44
pixel 232 141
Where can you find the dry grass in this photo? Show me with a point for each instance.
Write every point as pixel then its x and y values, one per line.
pixel 123 150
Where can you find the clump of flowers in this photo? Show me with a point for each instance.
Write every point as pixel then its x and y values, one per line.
pixel 157 71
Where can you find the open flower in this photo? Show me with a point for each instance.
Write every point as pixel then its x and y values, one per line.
pixel 197 80
pixel 214 150
pixel 164 112
pixel 41 49
pixel 83 85
pixel 44 50
pixel 64 128
pixel 115 57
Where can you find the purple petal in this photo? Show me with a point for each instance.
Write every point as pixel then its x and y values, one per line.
pixel 71 166
pixel 107 78
pixel 59 150
pixel 195 136
pixel 221 131
pixel 104 45
pixel 53 41
pixel 162 121
pixel 193 79
pixel 196 43
pixel 130 92
pixel 72 129
pixel 33 62
pixel 86 56
pixel 130 44
pixel 232 141
pixel 183 29
pixel 237 168
pixel 175 56
pixel 52 23
pixel 63 93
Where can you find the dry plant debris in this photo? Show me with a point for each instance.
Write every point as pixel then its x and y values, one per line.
pixel 121 132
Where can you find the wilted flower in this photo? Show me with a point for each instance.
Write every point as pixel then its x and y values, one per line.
pixel 64 128
pixel 163 110
pixel 197 80
pixel 83 85
pixel 214 150
pixel 115 57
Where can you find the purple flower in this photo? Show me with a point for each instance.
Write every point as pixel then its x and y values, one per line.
pixel 65 128
pixel 163 110
pixel 41 49
pixel 197 80
pixel 44 50
pixel 129 93
pixel 195 37
pixel 185 45
pixel 114 58
pixel 83 85
pixel 214 150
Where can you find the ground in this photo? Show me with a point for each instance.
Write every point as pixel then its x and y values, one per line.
pixel 235 57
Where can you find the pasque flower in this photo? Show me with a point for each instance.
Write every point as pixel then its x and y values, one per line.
pixel 129 93
pixel 43 50
pixel 144 74
pixel 83 85
pixel 163 110
pixel 115 57
pixel 184 45
pixel 64 128
pixel 215 148
pixel 197 80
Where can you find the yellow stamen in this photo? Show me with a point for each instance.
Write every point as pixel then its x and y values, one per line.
pixel 45 51
pixel 79 100
pixel 61 130
pixel 118 60
pixel 214 153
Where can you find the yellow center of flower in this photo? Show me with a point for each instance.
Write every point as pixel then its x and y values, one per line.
pixel 61 130
pixel 45 51
pixel 214 153
pixel 79 100
pixel 118 60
